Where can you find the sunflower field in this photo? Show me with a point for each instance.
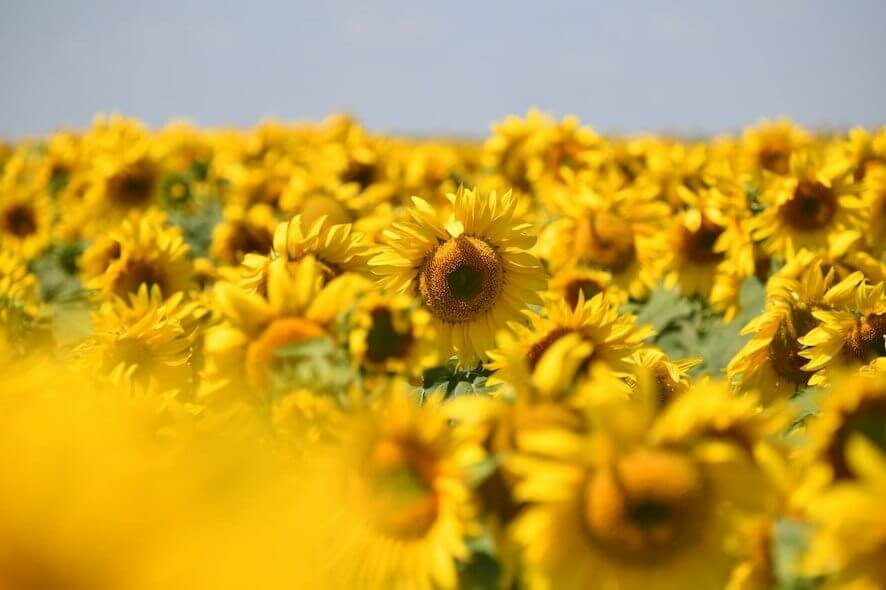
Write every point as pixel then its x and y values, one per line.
pixel 311 356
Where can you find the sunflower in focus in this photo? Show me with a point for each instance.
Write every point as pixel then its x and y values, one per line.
pixel 472 272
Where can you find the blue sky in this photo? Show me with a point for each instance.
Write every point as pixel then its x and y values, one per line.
pixel 444 66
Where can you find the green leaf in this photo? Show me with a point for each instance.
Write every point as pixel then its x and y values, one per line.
pixel 663 309
pixel 481 572
pixel 197 225
pixel 789 544
pixel 56 270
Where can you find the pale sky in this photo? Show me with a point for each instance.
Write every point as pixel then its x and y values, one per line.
pixel 444 66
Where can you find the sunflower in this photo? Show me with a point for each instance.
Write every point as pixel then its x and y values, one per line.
pixel 659 508
pixel 771 361
pixel 392 334
pixel 569 282
pixel 473 273
pixel 337 247
pixel 506 150
pixel 816 206
pixel 711 251
pixel 563 343
pixel 848 541
pixel 865 151
pixel 564 144
pixel 243 231
pixel 19 305
pixel 853 406
pixel 619 233
pixel 874 196
pixel 406 505
pixel 123 173
pixel 671 377
pixel 142 250
pixel 243 348
pixel 853 335
pixel 143 341
pixel 26 220
pixel 770 145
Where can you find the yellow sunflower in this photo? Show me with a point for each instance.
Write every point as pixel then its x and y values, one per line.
pixel 142 250
pixel 618 232
pixel 771 361
pixel 569 282
pixel 661 507
pixel 19 304
pixel 506 152
pixel 671 377
pixel 848 543
pixel 472 272
pixel 144 341
pixel 854 405
pixel 866 151
pixel 563 343
pixel 243 231
pixel 392 334
pixel 850 336
pixel 242 349
pixel 26 221
pixel 769 146
pixel 123 173
pixel 403 500
pixel 874 196
pixel 816 206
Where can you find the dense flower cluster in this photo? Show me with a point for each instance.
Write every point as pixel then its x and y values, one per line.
pixel 311 356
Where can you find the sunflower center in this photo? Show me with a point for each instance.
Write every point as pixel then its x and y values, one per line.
pixel 401 496
pixel 644 506
pixel 865 341
pixel 868 420
pixel 784 350
pixel 812 207
pixel 699 244
pixel 246 239
pixel 611 244
pixel 20 220
pixel 363 173
pixel 585 286
pixel 384 341
pixel 461 280
pixel 137 272
pixel 134 186
pixel 260 358
pixel 775 159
